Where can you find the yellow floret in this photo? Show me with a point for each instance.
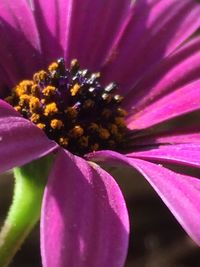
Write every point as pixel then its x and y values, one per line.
pixel 34 104
pixel 41 126
pixel 50 109
pixel 71 112
pixel 53 66
pixel 75 89
pixel 24 100
pixel 49 90
pixel 94 147
pixel 104 133
pixel 56 124
pixel 63 141
pixel 35 117
pixel 77 131
pixel 83 141
pixel 40 76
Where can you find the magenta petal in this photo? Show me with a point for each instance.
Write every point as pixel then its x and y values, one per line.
pixel 51 18
pixel 186 154
pixel 181 193
pixel 175 71
pixel 20 40
pixel 183 136
pixel 92 27
pixel 84 217
pixel 179 102
pixel 20 140
pixel 155 30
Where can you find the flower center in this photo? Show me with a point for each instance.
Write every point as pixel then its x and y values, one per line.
pixel 72 108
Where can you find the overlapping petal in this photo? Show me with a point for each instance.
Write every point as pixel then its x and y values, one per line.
pixel 185 154
pixel 173 72
pixel 136 43
pixel 179 102
pixel 54 30
pixel 181 193
pixel 155 30
pixel 84 217
pixel 20 40
pixel 184 135
pixel 92 28
pixel 20 140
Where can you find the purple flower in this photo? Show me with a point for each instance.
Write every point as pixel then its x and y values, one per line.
pixel 144 46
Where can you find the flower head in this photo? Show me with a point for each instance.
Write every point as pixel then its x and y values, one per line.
pixel 73 108
pixel 142 45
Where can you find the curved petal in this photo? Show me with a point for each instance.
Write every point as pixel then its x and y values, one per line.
pixel 20 40
pixel 155 30
pixel 84 217
pixel 5 82
pixel 175 71
pixel 20 140
pixel 185 135
pixel 92 27
pixel 185 154
pixel 179 102
pixel 51 18
pixel 181 193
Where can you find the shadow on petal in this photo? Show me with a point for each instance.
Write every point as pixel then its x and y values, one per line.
pixel 84 216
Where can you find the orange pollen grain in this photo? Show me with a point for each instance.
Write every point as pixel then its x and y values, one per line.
pixel 41 125
pixel 63 141
pixel 49 90
pixel 35 90
pixel 83 141
pixel 94 147
pixel 122 112
pixel 56 124
pixel 93 127
pixel 113 129
pixel 106 113
pixel 77 131
pixel 35 117
pixel 34 104
pixel 120 121
pixel 23 87
pixel 40 76
pixel 71 112
pixel 50 109
pixel 53 67
pixel 18 108
pixel 24 99
pixel 88 103
pixel 74 62
pixel 104 133
pixel 75 89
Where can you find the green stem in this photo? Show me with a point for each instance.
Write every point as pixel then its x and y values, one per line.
pixel 25 209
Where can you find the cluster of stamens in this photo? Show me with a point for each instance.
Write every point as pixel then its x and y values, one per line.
pixel 72 108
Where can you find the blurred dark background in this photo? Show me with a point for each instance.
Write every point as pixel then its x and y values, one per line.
pixel 156 240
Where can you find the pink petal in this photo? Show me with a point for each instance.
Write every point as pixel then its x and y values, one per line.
pixel 184 135
pixel 92 27
pixel 186 154
pixel 52 20
pixel 84 217
pixel 155 30
pixel 181 193
pixel 179 102
pixel 20 40
pixel 5 81
pixel 175 71
pixel 20 140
